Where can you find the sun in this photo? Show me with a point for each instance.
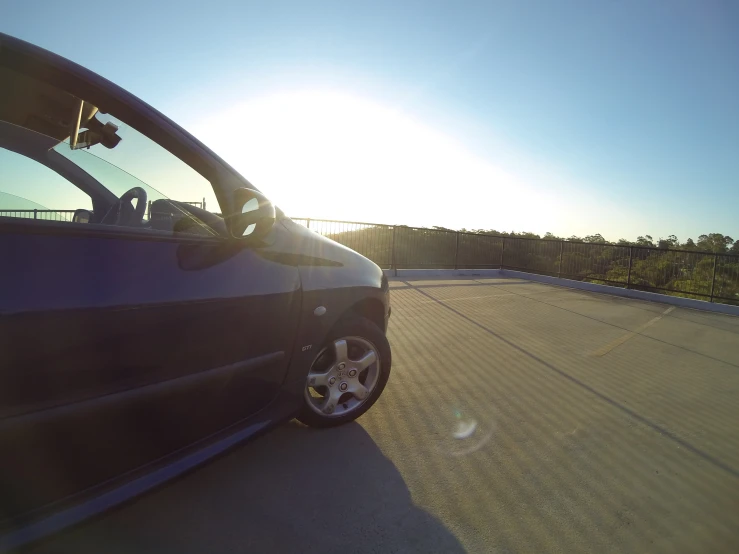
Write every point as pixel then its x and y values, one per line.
pixel 331 155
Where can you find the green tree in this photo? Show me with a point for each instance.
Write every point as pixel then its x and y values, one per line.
pixel 596 238
pixel 715 242
pixel 485 232
pixel 669 242
pixel 646 240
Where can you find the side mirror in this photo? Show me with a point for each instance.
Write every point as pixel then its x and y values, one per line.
pixel 254 215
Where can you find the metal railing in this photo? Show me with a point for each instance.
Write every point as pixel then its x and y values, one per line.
pixel 46 215
pixel 198 204
pixel 688 273
pixel 66 215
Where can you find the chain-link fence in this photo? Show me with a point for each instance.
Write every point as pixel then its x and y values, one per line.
pixel 701 275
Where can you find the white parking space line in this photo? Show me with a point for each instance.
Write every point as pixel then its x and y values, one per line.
pixel 622 339
pixel 477 297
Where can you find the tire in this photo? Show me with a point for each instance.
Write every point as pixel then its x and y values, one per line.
pixel 332 395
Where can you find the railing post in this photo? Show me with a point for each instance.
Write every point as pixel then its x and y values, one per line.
pixel 713 280
pixel 393 263
pixel 35 213
pixel 148 210
pixel 631 257
pixel 561 249
pixel 307 223
pixel 456 250
pixel 502 251
pixel 203 202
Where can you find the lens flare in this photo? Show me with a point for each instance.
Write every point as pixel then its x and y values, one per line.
pixel 467 433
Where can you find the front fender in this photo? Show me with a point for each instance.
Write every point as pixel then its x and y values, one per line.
pixel 336 281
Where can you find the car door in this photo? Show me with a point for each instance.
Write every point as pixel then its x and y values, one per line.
pixel 121 345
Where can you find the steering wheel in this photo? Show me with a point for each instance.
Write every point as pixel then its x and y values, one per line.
pixel 123 213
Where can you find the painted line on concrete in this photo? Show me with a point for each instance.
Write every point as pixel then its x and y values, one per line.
pixel 604 397
pixel 679 301
pixel 622 339
pixel 559 307
pixel 469 297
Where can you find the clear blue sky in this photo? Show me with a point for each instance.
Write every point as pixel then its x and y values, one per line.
pixel 619 117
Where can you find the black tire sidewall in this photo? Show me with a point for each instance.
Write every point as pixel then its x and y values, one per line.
pixel 353 327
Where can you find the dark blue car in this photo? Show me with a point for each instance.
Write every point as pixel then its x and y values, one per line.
pixel 155 308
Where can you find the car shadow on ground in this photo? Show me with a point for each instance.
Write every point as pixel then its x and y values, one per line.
pixel 294 490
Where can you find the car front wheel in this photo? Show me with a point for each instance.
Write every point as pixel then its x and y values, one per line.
pixel 348 374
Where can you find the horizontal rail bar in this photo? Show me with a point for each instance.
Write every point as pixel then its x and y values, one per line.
pixel 38 211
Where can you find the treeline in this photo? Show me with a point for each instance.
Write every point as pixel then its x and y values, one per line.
pixel 713 242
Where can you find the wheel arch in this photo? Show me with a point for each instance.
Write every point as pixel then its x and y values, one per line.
pixel 369 308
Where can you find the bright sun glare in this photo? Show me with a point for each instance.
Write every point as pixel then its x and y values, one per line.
pixel 330 155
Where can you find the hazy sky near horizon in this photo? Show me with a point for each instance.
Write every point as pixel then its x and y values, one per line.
pixel 617 117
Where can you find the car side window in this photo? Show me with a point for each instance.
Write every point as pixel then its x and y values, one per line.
pixel 61 154
pixel 30 190
pixel 159 212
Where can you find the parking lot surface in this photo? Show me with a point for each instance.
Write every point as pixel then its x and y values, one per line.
pixel 519 417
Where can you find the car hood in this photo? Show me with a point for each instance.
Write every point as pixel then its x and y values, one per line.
pixel 325 263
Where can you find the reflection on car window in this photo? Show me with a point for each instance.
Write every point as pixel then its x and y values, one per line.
pixel 64 154
pixel 31 190
pixel 142 159
pixel 160 214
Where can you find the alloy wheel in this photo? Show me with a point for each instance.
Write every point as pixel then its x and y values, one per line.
pixel 342 377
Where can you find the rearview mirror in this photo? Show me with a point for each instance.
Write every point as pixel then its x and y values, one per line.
pixel 254 214
pixel 95 133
